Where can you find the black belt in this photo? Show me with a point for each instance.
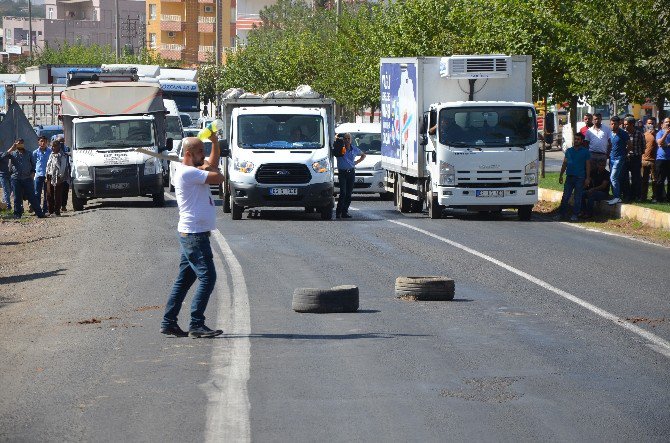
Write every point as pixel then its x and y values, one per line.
pixel 188 234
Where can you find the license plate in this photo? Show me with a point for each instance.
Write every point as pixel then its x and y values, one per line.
pixel 118 186
pixel 360 180
pixel 283 191
pixel 489 193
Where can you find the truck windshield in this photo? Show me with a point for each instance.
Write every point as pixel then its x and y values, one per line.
pixel 186 101
pixel 173 127
pixel 280 131
pixel 114 134
pixel 487 127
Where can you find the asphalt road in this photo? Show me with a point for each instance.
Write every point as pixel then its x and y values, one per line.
pixel 555 334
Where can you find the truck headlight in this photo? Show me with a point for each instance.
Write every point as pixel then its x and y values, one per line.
pixel 243 166
pixel 530 177
pixel 322 165
pixel 447 174
pixel 151 166
pixel 82 171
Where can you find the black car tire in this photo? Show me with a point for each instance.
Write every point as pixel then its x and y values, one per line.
pixel 322 301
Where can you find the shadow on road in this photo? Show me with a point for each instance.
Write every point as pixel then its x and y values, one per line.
pixel 369 335
pixel 29 277
pixel 108 205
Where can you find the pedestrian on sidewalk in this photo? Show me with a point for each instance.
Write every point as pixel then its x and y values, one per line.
pixel 41 157
pixel 649 161
pixel 578 167
pixel 22 172
pixel 57 170
pixel 663 162
pixel 197 218
pixel 598 138
pixel 598 188
pixel 619 144
pixel 633 172
pixel 5 182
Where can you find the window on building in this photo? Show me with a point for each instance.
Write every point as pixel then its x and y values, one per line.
pixel 152 12
pixel 95 15
pixel 51 13
pixel 152 41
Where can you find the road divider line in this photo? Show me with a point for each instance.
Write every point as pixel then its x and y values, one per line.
pixel 227 392
pixel 656 343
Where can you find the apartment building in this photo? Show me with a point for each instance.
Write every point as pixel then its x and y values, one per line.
pixel 185 30
pixel 78 21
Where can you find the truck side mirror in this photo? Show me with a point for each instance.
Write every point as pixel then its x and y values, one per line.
pixel 224 148
pixel 424 125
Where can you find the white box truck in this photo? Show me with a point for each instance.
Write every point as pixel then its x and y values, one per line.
pixel 103 124
pixel 459 132
pixel 279 153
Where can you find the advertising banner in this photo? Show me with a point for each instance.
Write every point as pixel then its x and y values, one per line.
pixel 398 111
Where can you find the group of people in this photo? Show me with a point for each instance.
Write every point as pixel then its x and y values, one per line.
pixel 42 177
pixel 636 155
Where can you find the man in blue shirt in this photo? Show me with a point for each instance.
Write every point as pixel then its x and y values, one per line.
pixel 578 167
pixel 41 157
pixel 662 165
pixel 22 171
pixel 619 142
pixel 346 172
pixel 5 181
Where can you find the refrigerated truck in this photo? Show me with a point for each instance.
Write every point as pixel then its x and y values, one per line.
pixel 459 132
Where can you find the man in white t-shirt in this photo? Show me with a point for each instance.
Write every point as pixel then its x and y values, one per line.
pixel 598 138
pixel 197 217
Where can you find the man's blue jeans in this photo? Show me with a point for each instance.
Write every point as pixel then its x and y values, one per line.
pixel 41 192
pixel 6 189
pixel 616 166
pixel 21 187
pixel 346 180
pixel 196 263
pixel 576 184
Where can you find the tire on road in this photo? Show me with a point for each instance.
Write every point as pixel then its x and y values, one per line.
pixel 322 301
pixel 425 288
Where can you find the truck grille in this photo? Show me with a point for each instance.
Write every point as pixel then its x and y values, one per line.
pixel 489 179
pixel 283 173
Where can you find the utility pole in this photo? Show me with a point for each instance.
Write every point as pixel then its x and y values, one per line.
pixel 116 20
pixel 30 28
pixel 217 30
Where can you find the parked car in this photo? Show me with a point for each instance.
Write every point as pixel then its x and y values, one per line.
pixel 369 173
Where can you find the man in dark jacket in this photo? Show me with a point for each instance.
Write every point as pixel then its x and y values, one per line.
pixel 22 170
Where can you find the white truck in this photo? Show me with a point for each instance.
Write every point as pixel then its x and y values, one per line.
pixel 103 124
pixel 279 154
pixel 459 132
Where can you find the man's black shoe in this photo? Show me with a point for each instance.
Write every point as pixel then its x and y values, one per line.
pixel 204 332
pixel 174 330
pixel 346 216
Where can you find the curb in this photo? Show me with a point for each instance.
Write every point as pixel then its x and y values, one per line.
pixel 647 216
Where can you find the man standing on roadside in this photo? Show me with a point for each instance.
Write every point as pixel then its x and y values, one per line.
pixel 663 161
pixel 22 171
pixel 578 167
pixel 5 181
pixel 633 189
pixel 649 160
pixel 598 139
pixel 197 217
pixel 41 157
pixel 346 173
pixel 619 142
pixel 588 123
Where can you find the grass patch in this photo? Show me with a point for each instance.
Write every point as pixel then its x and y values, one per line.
pixel 633 228
pixel 550 181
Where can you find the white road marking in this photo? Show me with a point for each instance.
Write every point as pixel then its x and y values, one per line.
pixel 656 343
pixel 228 397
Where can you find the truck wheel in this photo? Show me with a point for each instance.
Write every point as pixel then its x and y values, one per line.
pixel 326 212
pixel 159 199
pixel 226 200
pixel 434 208
pixel 309 209
pixel 403 204
pixel 425 288
pixel 77 203
pixel 235 210
pixel 166 178
pixel 525 212
pixel 386 196
pixel 322 301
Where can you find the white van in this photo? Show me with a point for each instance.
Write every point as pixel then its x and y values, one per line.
pixel 369 173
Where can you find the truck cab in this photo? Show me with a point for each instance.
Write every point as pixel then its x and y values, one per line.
pixel 279 154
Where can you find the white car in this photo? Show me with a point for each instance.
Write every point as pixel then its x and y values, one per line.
pixel 369 173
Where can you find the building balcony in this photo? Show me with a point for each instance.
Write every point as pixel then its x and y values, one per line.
pixel 205 53
pixel 172 26
pixel 171 18
pixel 246 22
pixel 206 1
pixel 171 51
pixel 206 27
pixel 205 19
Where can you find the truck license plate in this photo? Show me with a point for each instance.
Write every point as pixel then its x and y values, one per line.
pixel 283 191
pixel 489 193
